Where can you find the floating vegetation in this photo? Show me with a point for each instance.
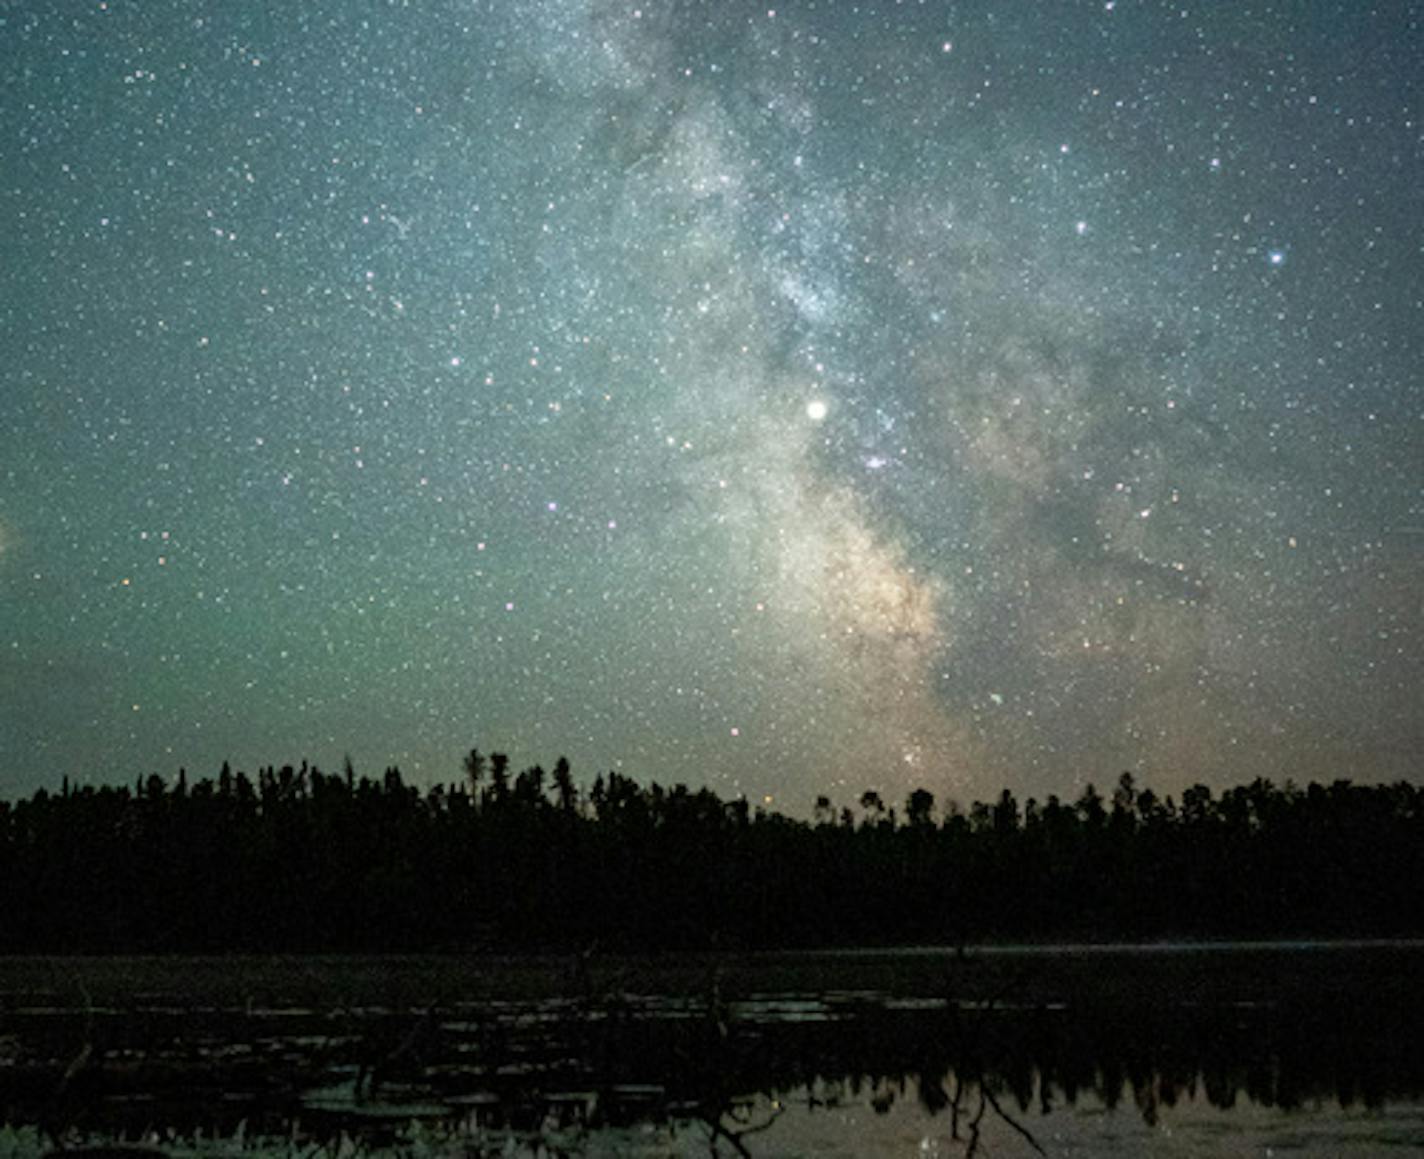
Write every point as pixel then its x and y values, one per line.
pixel 998 1041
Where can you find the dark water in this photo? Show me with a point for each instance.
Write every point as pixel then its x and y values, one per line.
pixel 1071 1050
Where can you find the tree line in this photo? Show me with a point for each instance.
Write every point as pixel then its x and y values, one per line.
pixel 301 860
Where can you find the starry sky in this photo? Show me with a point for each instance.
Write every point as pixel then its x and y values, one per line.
pixel 790 399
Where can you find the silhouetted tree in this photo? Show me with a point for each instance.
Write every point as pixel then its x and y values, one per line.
pixel 499 778
pixel 474 771
pixel 564 787
pixel 919 807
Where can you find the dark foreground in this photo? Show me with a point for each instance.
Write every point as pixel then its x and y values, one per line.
pixel 556 1052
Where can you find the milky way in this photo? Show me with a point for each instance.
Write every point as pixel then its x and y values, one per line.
pixel 792 400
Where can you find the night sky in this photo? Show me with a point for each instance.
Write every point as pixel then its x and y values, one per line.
pixel 792 400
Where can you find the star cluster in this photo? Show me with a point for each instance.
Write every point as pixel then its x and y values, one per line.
pixel 790 399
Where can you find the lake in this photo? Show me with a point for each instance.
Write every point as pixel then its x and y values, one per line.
pixel 1306 1049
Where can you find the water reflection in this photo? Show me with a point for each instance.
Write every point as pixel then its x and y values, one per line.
pixel 568 1075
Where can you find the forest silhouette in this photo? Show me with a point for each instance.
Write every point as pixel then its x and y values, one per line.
pixel 300 860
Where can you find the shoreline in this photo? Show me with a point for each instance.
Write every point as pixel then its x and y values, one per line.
pixel 1079 974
